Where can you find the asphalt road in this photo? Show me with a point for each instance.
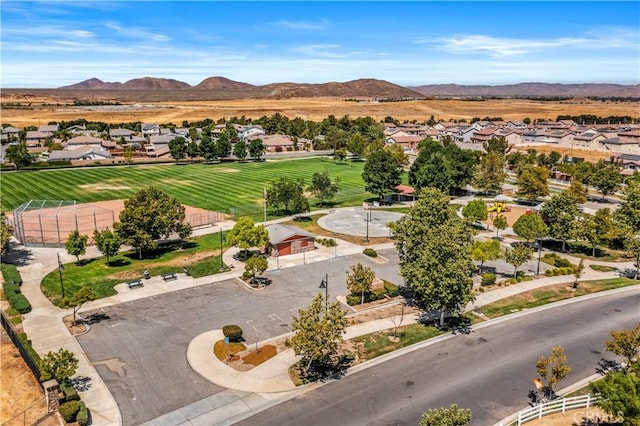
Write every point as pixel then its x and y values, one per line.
pixel 140 351
pixel 489 370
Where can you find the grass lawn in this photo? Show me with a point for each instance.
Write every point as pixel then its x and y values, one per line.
pixel 235 188
pixel 375 344
pixel 550 294
pixel 201 255
pixel 602 268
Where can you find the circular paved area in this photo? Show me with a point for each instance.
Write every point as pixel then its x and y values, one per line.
pixel 354 222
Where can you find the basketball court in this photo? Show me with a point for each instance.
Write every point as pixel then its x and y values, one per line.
pixel 359 222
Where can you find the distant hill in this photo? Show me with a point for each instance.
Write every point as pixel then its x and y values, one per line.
pixel 213 88
pixel 530 90
pixel 222 83
pixel 367 88
pixel 363 88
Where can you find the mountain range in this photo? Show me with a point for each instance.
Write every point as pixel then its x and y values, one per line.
pixel 361 88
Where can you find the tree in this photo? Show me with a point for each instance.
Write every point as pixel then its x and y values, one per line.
pixel 357 145
pixel 177 148
pixel 360 280
pixel 18 155
pixel 586 229
pixel 5 234
pixel 605 227
pixel 619 396
pixel 192 150
pixel 148 215
pixel 340 154
pixel 554 368
pixel 60 365
pixel 532 182
pixel 76 244
pixel 246 234
pixel 451 416
pixel 482 251
pixel 607 179
pixel 434 247
pixel 530 226
pixel 476 210
pixel 489 173
pixel 223 145
pixel 397 152
pixel 577 273
pixel 498 146
pixel 629 211
pixel 443 166
pixel 287 195
pixel 255 265
pixel 208 148
pixel 381 173
pixel 127 153
pixel 79 298
pixel 632 245
pixel 560 215
pixel 318 331
pixel 107 242
pixel 256 149
pixel 240 150
pixel 517 256
pixel 322 187
pixel 578 191
pixel 500 223
pixel 626 344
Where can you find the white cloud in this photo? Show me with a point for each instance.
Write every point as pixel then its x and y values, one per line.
pixel 319 50
pixel 503 47
pixel 48 31
pixel 301 25
pixel 137 32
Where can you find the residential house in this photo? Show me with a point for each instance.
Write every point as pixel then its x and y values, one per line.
pixel 35 138
pixel 464 134
pixel 49 128
pixel 150 129
pixel 517 125
pixel 278 142
pixel 120 133
pixel 286 239
pixel 588 140
pixel 83 153
pixel 483 135
pixel 252 130
pixel 84 141
pixel 10 133
pixel 630 163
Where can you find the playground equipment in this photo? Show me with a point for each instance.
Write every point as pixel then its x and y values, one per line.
pixel 499 205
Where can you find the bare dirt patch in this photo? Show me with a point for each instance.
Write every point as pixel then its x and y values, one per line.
pixel 96 187
pixel 242 358
pixel 73 327
pixel 21 395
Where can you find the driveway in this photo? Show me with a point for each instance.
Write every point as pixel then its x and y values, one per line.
pixel 140 350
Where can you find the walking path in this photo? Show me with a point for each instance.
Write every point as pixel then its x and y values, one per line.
pixel 249 392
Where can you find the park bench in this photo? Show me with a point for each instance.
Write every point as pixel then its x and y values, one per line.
pixel 134 283
pixel 169 276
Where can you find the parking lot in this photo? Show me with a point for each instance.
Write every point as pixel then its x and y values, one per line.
pixel 140 350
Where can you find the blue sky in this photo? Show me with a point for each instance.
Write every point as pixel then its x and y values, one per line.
pixel 55 43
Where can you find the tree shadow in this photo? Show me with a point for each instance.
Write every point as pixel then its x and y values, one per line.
pixel 95 318
pixel 81 383
pixel 607 365
pixel 454 323
pixel 119 262
pixel 18 255
pixel 330 369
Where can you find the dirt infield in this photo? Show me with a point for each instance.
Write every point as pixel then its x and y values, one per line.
pixel 51 225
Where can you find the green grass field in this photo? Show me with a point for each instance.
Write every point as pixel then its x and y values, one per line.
pixel 234 188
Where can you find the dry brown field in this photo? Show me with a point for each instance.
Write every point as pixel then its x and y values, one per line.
pixel 307 108
pixel 592 156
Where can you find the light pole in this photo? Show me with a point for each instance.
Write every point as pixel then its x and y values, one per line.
pixel 277 254
pixel 221 252
pixel 325 284
pixel 368 219
pixel 539 254
pixel 60 268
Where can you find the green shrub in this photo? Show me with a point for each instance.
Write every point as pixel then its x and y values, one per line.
pixel 69 410
pixel 488 279
pixel 561 262
pixel 370 252
pixel 233 332
pixel 391 289
pixel 20 304
pixel 548 273
pixel 327 242
pixel 83 415
pixel 27 345
pixel 246 275
pixel 353 300
pixel 70 393
pixel 10 274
